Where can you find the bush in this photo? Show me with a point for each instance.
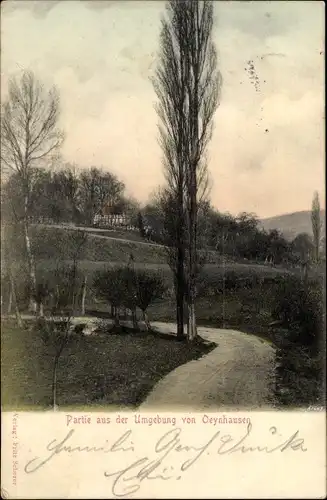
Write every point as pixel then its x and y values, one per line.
pixel 149 287
pixel 300 352
pixel 108 285
pixel 299 307
pixel 57 289
pixel 230 280
pixel 130 288
pixel 300 379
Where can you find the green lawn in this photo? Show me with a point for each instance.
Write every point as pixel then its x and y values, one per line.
pixel 107 371
pixel 119 370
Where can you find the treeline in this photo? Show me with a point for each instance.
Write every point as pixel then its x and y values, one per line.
pixel 238 237
pixel 66 194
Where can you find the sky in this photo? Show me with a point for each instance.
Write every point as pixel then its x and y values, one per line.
pixel 267 151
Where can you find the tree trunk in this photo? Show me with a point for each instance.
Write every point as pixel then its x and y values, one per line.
pixel 14 299
pixel 12 289
pixel 56 364
pixel 31 263
pixel 116 312
pixel 180 314
pixel 10 299
pixel 191 322
pixel 146 321
pixel 316 257
pixel 180 278
pixel 134 319
pixel 192 233
pixel 192 192
pixel 180 303
pixel 41 310
pixel 83 296
pixel 54 383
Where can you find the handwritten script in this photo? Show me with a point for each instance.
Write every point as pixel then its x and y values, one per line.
pixel 128 480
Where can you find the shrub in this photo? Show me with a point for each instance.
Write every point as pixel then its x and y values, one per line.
pixel 108 285
pixel 130 288
pixel 57 289
pixel 149 287
pixel 230 280
pixel 299 376
pixel 299 307
pixel 300 352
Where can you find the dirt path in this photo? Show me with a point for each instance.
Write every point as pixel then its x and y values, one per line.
pixel 235 375
pixel 92 232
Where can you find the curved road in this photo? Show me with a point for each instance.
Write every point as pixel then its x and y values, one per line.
pixel 235 375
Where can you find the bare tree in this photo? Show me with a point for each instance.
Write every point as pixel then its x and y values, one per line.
pixel 69 293
pixel 170 86
pixel 65 187
pixel 29 136
pixel 149 287
pixel 316 225
pixel 187 84
pixel 98 189
pixel 60 289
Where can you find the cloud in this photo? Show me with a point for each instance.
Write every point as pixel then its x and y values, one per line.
pixel 267 19
pixel 40 9
pixel 266 154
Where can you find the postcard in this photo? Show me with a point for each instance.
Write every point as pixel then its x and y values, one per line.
pixel 163 249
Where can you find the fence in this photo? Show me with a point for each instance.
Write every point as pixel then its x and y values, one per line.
pixel 121 221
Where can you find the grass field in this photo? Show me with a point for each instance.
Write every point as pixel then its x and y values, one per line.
pixel 211 272
pixel 243 308
pixel 52 243
pixel 107 246
pixel 120 370
pixel 115 370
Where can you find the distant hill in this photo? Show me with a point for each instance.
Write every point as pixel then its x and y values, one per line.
pixel 291 224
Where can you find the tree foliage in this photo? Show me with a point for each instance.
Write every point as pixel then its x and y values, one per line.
pixel 30 136
pixel 187 85
pixel 316 225
pixel 129 288
pixel 98 190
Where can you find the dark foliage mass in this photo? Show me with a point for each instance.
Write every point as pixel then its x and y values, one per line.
pixel 237 237
pixel 67 194
pixel 129 288
pixel 299 307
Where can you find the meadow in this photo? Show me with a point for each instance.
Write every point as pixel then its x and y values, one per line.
pixel 121 368
pixel 103 371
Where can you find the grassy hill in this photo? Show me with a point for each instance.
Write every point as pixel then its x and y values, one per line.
pixel 52 245
pixel 291 224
